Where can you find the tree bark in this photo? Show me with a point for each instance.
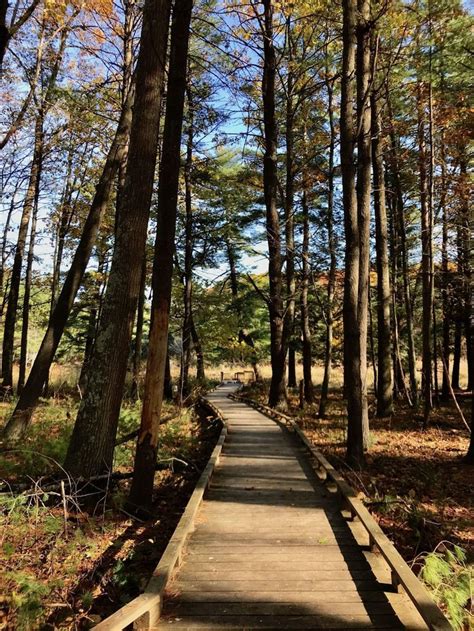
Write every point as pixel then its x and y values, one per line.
pixel 332 254
pixel 352 368
pixel 289 212
pixel 278 336
pixel 137 344
pixel 308 390
pixel 470 260
pixel 356 200
pixel 92 443
pixel 445 286
pixel 363 71
pixel 30 394
pixel 384 345
pixel 145 457
pixel 188 255
pixel 27 295
pixel 426 261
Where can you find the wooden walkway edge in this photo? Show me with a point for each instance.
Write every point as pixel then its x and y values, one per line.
pixel 268 546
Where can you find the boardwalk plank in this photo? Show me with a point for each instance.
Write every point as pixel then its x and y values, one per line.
pixel 271 549
pixel 282 622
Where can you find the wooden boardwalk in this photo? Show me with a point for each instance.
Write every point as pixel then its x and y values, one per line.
pixel 271 548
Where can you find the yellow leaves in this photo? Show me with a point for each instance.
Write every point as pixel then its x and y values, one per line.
pixel 101 7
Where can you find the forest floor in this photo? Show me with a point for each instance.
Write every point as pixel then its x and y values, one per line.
pixel 69 569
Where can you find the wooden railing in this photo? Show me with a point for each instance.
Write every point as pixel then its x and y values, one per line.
pixel 144 611
pixel 401 573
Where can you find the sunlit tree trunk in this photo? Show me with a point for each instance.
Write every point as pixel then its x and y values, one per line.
pixel 145 457
pixel 91 447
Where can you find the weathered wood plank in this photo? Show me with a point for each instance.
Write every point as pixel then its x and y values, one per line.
pixel 186 608
pixel 282 622
pixel 276 584
pixel 269 596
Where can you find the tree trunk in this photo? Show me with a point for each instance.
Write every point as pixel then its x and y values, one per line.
pixel 305 329
pixel 94 316
pixel 466 247
pixel 200 372
pixel 4 252
pixel 168 385
pixel 426 261
pixel 243 335
pixel 26 297
pixel 92 443
pixel 456 355
pixel 352 367
pixel 445 285
pixel 363 72
pixel 373 360
pixel 291 366
pixel 470 350
pixel 144 467
pixel 15 279
pixel 356 202
pixel 188 255
pixel 332 254
pixel 30 394
pixel 384 383
pixel 289 213
pixel 61 232
pixel 278 341
pixel 400 223
pixel 137 345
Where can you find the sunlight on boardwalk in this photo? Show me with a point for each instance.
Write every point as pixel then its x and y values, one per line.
pixel 272 550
